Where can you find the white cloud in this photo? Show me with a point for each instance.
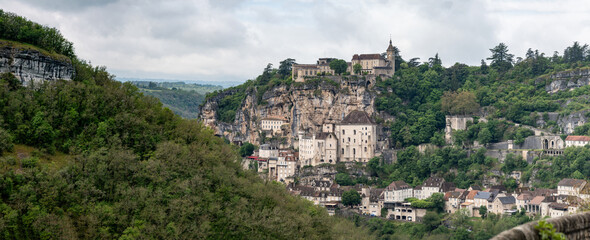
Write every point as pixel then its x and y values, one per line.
pixel 234 40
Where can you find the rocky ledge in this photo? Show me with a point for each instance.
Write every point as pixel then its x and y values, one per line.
pixel 30 65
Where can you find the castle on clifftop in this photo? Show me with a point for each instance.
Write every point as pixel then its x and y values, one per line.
pixel 372 64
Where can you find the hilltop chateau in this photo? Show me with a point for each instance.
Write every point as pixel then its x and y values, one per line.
pixel 373 64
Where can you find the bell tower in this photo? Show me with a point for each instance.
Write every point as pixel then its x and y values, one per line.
pixel 391 53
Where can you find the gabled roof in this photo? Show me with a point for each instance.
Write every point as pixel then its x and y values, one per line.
pixel 398 185
pixel 475 187
pixel 577 138
pixel 507 200
pixel 537 200
pixel 434 182
pixel 482 195
pixel 525 196
pixel 375 193
pixel 559 206
pixel 366 56
pixel 357 118
pixel 570 182
pixel 324 135
pixel 471 194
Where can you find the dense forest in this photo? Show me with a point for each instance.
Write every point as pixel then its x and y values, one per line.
pixel 183 99
pixel 94 158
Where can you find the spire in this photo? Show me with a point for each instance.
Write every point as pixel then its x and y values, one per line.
pixel 390 47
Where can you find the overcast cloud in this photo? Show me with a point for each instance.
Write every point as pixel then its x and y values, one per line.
pixel 233 40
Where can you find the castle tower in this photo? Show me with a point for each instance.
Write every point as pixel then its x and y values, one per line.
pixel 391 55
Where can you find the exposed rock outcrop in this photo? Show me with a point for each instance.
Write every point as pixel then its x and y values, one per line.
pixel 30 65
pixel 567 80
pixel 306 106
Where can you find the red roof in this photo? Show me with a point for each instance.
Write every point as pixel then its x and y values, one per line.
pixel 578 138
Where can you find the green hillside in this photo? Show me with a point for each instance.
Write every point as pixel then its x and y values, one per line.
pixel 94 158
pixel 183 99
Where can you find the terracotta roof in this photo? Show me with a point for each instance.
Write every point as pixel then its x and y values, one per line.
pixel 471 194
pixel 537 200
pixel 570 182
pixel 357 118
pixel 525 196
pixel 447 196
pixel 398 185
pixel 304 66
pixel 577 138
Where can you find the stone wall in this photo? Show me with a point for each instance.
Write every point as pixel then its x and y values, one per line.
pixel 573 226
pixel 455 123
pixel 32 66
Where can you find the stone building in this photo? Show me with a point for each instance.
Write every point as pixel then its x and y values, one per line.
pixel 571 187
pixel 397 192
pixel 357 137
pixel 272 124
pixel 374 64
pixel 576 141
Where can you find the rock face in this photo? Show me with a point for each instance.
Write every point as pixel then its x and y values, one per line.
pixel 33 66
pixel 306 106
pixel 567 80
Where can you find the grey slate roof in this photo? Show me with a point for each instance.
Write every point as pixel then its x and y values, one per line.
pixel 482 195
pixel 357 118
pixel 398 185
pixel 507 200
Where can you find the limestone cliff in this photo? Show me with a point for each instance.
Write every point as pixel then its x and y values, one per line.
pixel 29 64
pixel 566 80
pixel 306 106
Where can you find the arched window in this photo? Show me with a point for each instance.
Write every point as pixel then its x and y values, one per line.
pixel 353 151
pixel 353 132
pixel 342 131
pixel 365 149
pixel 342 150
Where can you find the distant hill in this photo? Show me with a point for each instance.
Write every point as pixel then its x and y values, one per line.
pixel 224 84
pixel 182 98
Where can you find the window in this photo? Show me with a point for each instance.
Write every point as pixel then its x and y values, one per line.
pixel 365 149
pixel 353 151
pixel 353 132
pixel 342 150
pixel 343 131
pixel 348 139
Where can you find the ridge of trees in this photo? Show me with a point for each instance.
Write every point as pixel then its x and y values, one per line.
pixel 20 29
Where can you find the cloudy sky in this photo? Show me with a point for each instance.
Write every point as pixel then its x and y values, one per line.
pixel 233 40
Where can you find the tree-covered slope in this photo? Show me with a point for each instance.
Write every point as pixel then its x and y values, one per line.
pixel 183 99
pixel 134 170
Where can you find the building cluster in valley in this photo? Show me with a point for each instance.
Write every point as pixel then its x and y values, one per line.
pixel 567 199
pixel 354 139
